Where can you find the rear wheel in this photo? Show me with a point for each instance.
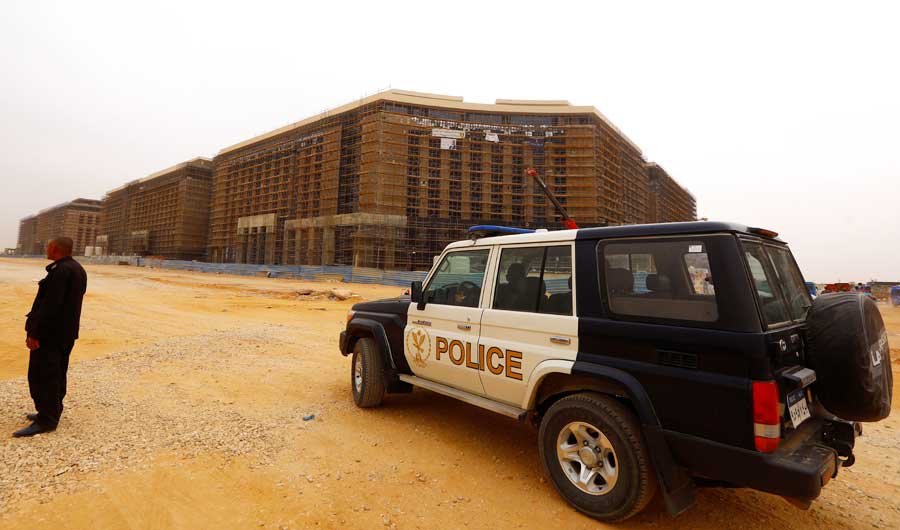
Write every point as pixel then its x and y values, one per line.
pixel 366 374
pixel 592 450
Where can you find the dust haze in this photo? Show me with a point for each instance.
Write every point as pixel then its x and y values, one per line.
pixel 773 115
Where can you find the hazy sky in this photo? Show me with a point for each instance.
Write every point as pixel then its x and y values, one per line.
pixel 782 115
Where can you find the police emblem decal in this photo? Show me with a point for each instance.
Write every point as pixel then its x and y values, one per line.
pixel 419 344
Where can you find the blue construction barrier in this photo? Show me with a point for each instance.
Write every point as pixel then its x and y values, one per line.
pixel 344 273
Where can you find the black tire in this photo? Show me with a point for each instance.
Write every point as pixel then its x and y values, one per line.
pixel 635 484
pixel 369 390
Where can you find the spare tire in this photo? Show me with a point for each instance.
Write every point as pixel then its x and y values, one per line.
pixel 848 349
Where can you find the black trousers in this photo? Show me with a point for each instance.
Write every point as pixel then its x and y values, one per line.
pixel 47 368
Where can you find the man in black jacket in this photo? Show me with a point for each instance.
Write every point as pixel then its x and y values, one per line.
pixel 52 328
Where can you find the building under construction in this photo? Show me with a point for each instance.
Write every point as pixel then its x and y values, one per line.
pixel 668 200
pixel 28 242
pixel 164 214
pixel 77 219
pixel 389 180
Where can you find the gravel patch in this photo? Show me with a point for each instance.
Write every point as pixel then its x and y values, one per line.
pixel 112 423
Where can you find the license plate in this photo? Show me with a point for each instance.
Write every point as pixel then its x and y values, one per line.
pixel 797 407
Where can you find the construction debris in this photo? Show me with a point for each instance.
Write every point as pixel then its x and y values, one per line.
pixel 329 294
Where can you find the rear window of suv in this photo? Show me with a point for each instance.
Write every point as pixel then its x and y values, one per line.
pixel 667 279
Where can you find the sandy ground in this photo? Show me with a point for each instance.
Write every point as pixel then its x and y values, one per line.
pixel 188 394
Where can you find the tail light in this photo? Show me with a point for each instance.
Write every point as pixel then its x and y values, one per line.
pixel 766 420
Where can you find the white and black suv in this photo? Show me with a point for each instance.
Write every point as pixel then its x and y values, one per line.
pixel 652 357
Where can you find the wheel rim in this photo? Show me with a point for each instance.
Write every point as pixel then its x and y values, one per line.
pixel 587 458
pixel 358 373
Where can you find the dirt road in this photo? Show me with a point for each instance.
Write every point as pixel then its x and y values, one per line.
pixel 187 406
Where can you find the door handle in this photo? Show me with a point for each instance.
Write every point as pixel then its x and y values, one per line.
pixel 421 322
pixel 464 327
pixel 560 340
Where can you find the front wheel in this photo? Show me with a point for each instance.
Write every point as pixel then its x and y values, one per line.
pixel 366 374
pixel 591 448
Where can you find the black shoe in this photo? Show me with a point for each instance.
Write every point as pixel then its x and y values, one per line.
pixel 32 416
pixel 31 430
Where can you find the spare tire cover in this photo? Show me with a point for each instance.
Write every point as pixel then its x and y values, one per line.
pixel 848 349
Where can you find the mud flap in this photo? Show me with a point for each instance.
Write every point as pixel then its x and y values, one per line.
pixel 675 483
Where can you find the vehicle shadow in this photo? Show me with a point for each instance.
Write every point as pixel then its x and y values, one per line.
pixel 495 441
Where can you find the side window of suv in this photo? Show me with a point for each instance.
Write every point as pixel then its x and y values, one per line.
pixel 535 279
pixel 660 280
pixel 558 282
pixel 458 279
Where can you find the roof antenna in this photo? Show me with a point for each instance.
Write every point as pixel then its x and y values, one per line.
pixel 568 222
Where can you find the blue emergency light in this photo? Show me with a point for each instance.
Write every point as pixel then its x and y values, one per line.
pixel 480 231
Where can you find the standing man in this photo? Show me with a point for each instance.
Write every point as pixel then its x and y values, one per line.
pixel 52 328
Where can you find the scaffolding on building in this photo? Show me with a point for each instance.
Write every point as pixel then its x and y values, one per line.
pixel 384 182
pixel 77 219
pixel 27 241
pixel 164 214
pixel 669 201
pixel 388 181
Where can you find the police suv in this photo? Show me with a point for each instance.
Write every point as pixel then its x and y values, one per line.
pixel 653 358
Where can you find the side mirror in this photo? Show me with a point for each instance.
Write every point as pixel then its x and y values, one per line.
pixel 415 292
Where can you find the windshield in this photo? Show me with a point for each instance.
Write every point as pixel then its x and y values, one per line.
pixel 783 297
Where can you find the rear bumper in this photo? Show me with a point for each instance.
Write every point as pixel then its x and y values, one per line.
pixel 800 468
